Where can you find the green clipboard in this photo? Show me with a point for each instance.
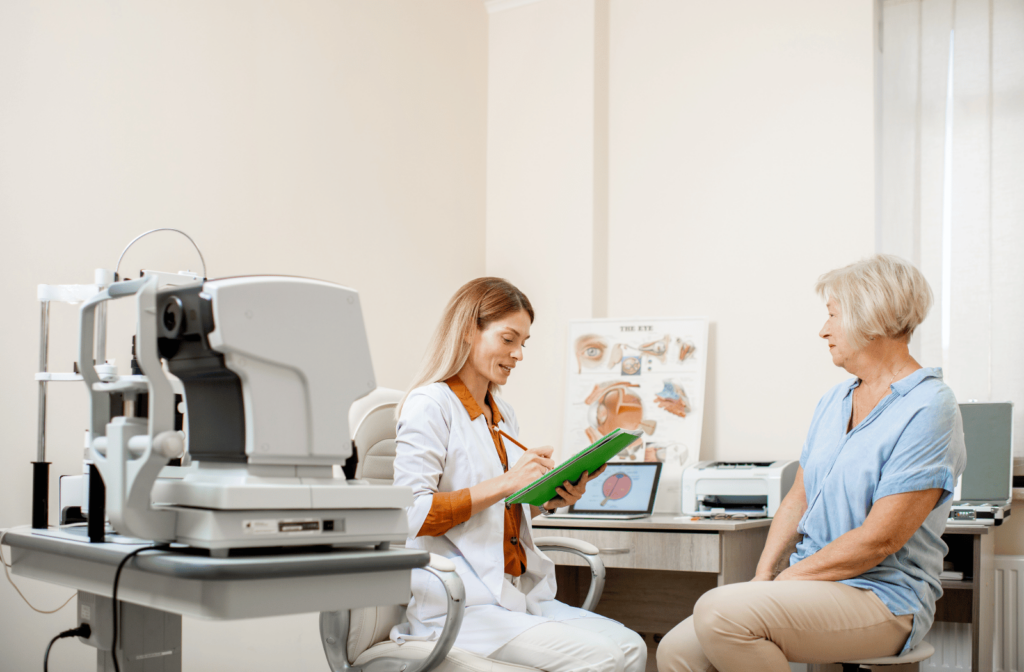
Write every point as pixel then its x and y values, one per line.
pixel 590 459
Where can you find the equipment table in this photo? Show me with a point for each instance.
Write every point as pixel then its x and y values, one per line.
pixel 157 587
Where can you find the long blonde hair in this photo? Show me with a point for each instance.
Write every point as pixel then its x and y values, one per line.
pixel 477 303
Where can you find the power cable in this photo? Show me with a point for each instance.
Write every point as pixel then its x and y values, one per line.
pixel 117 579
pixel 7 573
pixel 81 631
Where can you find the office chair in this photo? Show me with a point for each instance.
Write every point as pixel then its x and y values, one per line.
pixel 357 640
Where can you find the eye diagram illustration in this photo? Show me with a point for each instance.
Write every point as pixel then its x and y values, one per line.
pixel 631 365
pixel 590 351
pixel 673 399
pixel 615 355
pixel 686 349
pixel 616 486
pixel 613 404
pixel 656 349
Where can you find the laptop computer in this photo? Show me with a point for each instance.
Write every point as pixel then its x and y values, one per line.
pixel 984 491
pixel 626 490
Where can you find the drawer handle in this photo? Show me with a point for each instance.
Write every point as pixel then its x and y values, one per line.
pixel 613 551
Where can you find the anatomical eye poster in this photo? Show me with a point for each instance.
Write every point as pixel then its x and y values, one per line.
pixel 645 374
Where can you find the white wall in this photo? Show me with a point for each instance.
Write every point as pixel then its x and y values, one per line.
pixel 540 191
pixel 740 167
pixel 338 140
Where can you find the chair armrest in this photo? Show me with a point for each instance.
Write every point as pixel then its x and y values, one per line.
pixel 334 626
pixel 587 551
pixel 443 569
pixel 567 544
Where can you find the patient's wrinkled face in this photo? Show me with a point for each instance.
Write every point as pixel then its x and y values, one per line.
pixel 832 332
pixel 498 348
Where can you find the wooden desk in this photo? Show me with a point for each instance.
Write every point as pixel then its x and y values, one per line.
pixel 657 567
pixel 971 550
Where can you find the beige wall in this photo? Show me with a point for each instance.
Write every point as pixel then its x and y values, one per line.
pixel 540 192
pixel 740 167
pixel 336 140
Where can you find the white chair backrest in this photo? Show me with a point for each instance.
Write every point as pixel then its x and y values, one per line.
pixel 372 420
pixel 373 427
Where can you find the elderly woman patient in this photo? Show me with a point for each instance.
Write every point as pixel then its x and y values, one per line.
pixel 867 509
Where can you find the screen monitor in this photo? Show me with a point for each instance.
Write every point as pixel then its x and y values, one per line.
pixel 624 487
pixel 988 429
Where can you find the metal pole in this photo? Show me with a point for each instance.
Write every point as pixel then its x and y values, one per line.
pixel 44 350
pixel 41 468
pixel 101 334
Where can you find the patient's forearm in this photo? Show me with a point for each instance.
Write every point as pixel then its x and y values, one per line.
pixel 781 537
pixel 850 555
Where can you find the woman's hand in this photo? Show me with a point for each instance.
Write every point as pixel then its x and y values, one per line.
pixel 569 494
pixel 533 464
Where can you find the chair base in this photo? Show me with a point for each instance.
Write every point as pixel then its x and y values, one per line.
pixel 902 667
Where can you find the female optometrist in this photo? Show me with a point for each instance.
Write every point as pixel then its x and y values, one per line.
pixel 452 452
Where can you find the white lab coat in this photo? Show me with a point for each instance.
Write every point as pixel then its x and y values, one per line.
pixel 440 449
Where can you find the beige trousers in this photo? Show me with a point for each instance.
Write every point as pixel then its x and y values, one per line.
pixel 577 645
pixel 764 624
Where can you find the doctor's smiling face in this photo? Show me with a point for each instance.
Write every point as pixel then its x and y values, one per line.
pixel 497 348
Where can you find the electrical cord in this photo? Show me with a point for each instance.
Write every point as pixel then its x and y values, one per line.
pixel 7 573
pixel 117 579
pixel 81 631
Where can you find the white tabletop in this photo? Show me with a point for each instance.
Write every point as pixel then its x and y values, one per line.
pixel 664 522
pixel 217 588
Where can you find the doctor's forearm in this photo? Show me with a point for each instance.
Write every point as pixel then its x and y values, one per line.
pixel 488 493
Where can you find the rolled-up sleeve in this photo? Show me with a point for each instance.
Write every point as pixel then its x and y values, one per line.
pixel 922 457
pixel 420 454
pixel 447 509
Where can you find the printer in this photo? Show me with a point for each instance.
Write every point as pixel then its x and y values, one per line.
pixel 739 489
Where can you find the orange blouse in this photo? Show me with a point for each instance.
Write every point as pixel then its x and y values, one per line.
pixel 449 509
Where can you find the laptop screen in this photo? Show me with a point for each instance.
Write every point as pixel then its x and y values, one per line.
pixel 987 436
pixel 623 488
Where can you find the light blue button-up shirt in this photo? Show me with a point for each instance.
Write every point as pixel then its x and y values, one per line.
pixel 912 440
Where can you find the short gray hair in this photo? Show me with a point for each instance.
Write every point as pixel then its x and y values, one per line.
pixel 879 296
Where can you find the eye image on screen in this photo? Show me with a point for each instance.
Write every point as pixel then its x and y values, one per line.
pixel 616 486
pixel 622 487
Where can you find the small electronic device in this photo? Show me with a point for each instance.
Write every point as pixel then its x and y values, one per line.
pixel 748 489
pixel 626 490
pixel 984 492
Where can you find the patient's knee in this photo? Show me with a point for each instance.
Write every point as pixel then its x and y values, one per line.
pixel 679 650
pixel 718 613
